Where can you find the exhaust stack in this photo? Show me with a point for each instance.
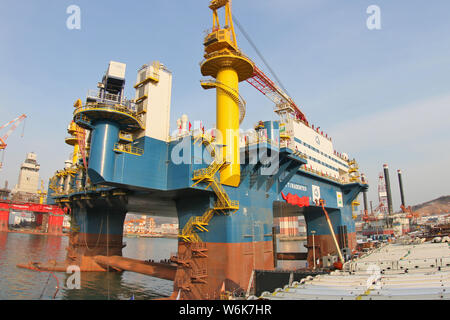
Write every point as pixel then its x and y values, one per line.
pixel 365 203
pixel 400 183
pixel 388 193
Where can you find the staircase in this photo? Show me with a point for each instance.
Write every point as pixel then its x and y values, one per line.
pixel 354 177
pixel 223 203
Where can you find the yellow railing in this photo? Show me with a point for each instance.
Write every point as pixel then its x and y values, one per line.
pixel 207 173
pixel 128 149
pixel 107 107
pixel 83 117
pixel 231 205
pixel 231 92
pixel 216 54
pixel 125 136
pixel 223 202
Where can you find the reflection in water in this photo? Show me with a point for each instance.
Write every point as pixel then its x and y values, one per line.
pixel 105 286
pixel 16 283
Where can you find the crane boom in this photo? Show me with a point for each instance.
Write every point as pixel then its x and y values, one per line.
pixel 14 123
pixel 283 103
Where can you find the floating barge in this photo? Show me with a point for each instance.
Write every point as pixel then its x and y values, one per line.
pixel 400 271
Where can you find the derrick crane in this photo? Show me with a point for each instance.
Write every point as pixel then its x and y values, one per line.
pixel 14 124
pixel 284 105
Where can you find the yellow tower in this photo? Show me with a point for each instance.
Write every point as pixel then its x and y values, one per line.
pixel 228 66
pixel 42 193
pixel 72 140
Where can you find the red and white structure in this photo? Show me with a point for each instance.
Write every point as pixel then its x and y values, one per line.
pixel 54 221
pixel 289 226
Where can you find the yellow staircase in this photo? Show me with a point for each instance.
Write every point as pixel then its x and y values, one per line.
pixel 354 177
pixel 223 203
pixel 232 93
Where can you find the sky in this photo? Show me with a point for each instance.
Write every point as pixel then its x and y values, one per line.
pixel 382 95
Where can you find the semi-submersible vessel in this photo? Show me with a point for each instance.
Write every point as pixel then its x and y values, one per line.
pixel 224 185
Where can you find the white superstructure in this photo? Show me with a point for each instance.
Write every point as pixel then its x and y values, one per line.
pixel 317 147
pixel 153 94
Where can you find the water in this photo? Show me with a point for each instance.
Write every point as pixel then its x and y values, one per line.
pixel 17 283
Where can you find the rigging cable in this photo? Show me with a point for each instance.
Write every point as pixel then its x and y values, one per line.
pixel 247 37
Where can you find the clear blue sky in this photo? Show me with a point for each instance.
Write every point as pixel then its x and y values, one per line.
pixel 383 95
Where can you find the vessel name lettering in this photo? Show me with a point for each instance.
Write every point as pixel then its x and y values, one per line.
pixel 297 186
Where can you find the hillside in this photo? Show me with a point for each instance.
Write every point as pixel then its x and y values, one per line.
pixel 439 205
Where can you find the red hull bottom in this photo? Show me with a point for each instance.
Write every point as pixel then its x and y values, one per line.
pixel 325 245
pixel 84 246
pixel 207 270
pixel 4 218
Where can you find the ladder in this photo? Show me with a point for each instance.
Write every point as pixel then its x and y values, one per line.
pixel 223 203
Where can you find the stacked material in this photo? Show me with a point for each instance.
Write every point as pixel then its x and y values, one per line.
pixel 395 271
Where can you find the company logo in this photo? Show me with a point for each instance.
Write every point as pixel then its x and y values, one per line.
pixel 316 193
pixel 295 200
pixel 317 140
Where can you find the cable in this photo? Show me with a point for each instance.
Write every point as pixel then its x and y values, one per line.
pixel 43 289
pixel 57 282
pixel 245 34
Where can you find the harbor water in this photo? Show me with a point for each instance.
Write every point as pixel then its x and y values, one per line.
pixel 18 284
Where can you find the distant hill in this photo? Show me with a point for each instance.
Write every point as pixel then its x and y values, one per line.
pixel 436 206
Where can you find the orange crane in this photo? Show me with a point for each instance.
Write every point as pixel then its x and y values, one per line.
pixel 409 213
pixel 14 124
pixel 372 216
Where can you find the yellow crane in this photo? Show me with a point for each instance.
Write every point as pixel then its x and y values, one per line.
pixel 228 66
pixel 42 193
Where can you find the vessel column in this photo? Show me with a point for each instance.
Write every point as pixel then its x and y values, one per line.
pixel 227 118
pixel 101 158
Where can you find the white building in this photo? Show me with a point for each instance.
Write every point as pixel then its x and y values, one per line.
pixel 28 176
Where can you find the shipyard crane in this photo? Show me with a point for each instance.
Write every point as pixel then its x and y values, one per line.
pixel 411 215
pixel 372 216
pixel 14 124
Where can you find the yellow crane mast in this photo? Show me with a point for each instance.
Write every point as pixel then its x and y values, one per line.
pixel 228 66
